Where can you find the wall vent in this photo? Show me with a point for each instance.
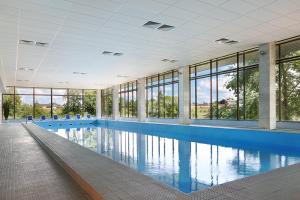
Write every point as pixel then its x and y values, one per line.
pixel 41 44
pixel 231 42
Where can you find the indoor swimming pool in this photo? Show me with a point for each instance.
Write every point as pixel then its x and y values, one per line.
pixel 188 158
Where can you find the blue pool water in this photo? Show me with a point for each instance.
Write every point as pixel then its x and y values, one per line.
pixel 188 158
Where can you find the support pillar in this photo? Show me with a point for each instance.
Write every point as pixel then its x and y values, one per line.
pixel 184 95
pixel 184 155
pixel 141 99
pixel 267 86
pixel 1 107
pixel 98 103
pixel 116 113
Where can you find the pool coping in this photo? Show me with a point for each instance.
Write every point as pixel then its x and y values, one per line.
pixel 135 185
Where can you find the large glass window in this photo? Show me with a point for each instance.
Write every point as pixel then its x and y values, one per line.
pixel 225 88
pixel 162 95
pixel 48 102
pixel 106 102
pixel 288 81
pixel 89 102
pixel 127 99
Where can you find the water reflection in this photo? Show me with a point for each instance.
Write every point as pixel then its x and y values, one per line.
pixel 187 166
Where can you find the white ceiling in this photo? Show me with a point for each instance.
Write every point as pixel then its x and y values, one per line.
pixel 79 30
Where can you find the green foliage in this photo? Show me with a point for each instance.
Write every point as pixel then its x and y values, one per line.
pixel 6 107
pixel 289 97
pixel 73 106
pixel 89 104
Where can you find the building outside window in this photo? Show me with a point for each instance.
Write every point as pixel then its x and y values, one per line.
pixel 225 87
pixel 288 80
pixel 162 95
pixel 128 100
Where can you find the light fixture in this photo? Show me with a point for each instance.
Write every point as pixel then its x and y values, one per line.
pixel 35 43
pixel 158 26
pixel 122 76
pixel 25 69
pixel 226 41
pixel 168 60
pixel 80 73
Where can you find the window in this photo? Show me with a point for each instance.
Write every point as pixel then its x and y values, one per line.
pixel 49 102
pixel 106 102
pixel 288 80
pixel 225 88
pixel 162 95
pixel 89 102
pixel 127 99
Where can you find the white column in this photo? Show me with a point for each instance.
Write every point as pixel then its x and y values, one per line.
pixel 116 113
pixel 267 87
pixel 184 95
pixel 98 103
pixel 141 99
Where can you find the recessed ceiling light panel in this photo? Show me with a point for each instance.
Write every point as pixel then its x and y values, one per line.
pixel 27 42
pixel 166 27
pixel 107 53
pixel 118 54
pixel 232 42
pixel 151 24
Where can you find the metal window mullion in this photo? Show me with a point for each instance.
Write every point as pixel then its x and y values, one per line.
pixel 244 87
pixel 190 105
pixel 210 91
pixel 33 99
pixel 51 102
pixel 196 103
pixel 173 94
pixel 217 89
pixel 238 89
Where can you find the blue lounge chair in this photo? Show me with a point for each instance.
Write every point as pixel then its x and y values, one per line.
pixel 77 116
pixel 43 117
pixel 68 116
pixel 55 117
pixel 29 118
pixel 88 116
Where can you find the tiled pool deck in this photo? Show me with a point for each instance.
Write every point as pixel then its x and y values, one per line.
pixel 27 172
pixel 104 178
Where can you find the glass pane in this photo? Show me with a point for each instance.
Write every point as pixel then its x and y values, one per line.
pixel 290 49
pixel 248 101
pixel 175 109
pixel 227 96
pixel 9 90
pixel 203 98
pixel 59 92
pixel 155 102
pixel 214 97
pixel 59 105
pixel 42 106
pixel 192 72
pixel 9 101
pixel 193 102
pixel 161 102
pixel 75 92
pixel 89 102
pixel 168 101
pixel 290 91
pixel 24 106
pixel 176 76
pixel 89 92
pixel 168 77
pixel 24 90
pixel 203 69
pixel 251 58
pixel 227 63
pixel 154 80
pixel 42 91
pixel 74 105
pixel 149 103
